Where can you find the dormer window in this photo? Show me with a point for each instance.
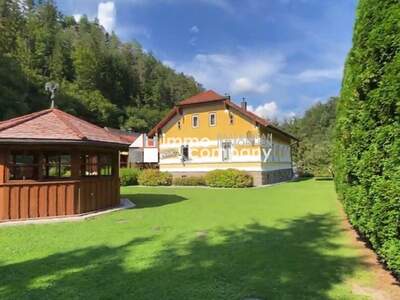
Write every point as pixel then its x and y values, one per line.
pixel 212 119
pixel 195 121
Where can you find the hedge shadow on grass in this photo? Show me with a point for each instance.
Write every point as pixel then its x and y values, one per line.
pixel 297 261
pixel 153 200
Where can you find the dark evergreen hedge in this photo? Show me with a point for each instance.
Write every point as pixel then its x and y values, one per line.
pixel 367 162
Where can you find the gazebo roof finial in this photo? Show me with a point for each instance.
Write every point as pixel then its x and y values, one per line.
pixel 51 87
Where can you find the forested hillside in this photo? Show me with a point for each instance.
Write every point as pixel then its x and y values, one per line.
pixel 367 150
pixel 315 130
pixel 101 79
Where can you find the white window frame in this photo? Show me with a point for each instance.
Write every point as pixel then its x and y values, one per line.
pixel 198 121
pixel 215 119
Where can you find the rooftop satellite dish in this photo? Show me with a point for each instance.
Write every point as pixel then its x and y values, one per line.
pixel 51 88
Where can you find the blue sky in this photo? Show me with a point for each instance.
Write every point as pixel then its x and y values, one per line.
pixel 282 55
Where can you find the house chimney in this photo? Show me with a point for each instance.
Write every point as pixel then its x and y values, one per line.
pixel 243 104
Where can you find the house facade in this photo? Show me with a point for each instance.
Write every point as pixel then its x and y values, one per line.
pixel 208 131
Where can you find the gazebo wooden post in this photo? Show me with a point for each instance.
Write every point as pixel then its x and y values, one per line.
pixel 75 175
pixel 3 204
pixel 116 171
pixel 42 162
pixel 75 164
pixel 2 166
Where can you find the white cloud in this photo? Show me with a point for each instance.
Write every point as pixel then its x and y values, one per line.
pixel 193 41
pixel 127 33
pixel 194 29
pixel 169 63
pixel 271 111
pixel 106 13
pixel 247 85
pixel 77 17
pixel 314 75
pixel 243 72
pixel 267 110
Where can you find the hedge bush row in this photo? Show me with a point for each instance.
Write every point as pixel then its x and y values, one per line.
pixel 367 150
pixel 189 181
pixel 230 178
pixel 128 176
pixel 152 177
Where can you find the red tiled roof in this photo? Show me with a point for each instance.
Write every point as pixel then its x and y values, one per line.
pixel 129 137
pixel 202 97
pixel 54 124
pixel 210 96
pixel 163 121
pixel 248 113
pixel 258 120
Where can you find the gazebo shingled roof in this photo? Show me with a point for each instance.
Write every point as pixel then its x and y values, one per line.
pixel 55 125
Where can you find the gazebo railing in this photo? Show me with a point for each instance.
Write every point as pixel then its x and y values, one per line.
pixel 27 200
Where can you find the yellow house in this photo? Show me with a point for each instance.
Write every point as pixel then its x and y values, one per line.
pixel 208 131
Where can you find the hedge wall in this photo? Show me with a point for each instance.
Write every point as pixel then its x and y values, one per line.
pixel 367 162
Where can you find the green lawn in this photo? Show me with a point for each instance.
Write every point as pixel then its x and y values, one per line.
pixel 280 242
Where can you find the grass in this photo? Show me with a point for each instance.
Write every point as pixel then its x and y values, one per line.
pixel 281 242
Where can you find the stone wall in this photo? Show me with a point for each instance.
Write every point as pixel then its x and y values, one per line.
pixel 276 176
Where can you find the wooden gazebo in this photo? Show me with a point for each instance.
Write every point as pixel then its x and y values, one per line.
pixel 54 164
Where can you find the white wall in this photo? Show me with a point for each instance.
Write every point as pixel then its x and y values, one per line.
pixel 150 155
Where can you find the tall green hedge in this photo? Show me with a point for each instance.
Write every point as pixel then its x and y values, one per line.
pixel 367 162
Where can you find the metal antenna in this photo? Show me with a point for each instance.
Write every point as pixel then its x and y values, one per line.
pixel 51 87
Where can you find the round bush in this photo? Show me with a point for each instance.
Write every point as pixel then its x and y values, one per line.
pixel 129 176
pixel 152 177
pixel 189 181
pixel 230 178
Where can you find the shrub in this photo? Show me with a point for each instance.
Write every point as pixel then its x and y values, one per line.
pixel 230 178
pixel 128 176
pixel 189 181
pixel 367 160
pixel 152 177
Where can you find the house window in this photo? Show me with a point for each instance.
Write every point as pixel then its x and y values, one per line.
pixel 106 168
pixel 185 152
pixel 23 166
pixel 179 125
pixel 226 151
pixel 230 118
pixel 89 165
pixel 57 166
pixel 212 119
pixel 195 121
